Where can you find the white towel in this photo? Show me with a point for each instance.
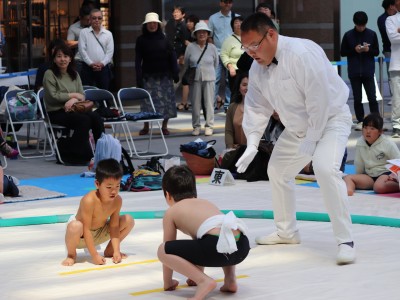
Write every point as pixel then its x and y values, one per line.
pixel 226 241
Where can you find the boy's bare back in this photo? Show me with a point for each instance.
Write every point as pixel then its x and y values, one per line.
pixel 96 210
pixel 188 214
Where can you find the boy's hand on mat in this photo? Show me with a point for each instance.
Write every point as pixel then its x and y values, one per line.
pixel 247 157
pixel 99 260
pixel 171 286
pixel 117 257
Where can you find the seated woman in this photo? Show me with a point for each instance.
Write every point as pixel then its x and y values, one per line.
pixel 234 135
pixel 373 149
pixel 62 88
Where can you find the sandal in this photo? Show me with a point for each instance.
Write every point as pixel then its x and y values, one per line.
pixel 165 131
pixel 181 106
pixel 186 106
pixel 8 151
pixel 144 131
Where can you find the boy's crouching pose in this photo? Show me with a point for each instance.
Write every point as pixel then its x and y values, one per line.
pixel 98 219
pixel 218 240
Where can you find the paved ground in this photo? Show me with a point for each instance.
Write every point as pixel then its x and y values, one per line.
pixel 180 128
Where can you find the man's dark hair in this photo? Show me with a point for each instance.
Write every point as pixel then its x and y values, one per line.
pixel 193 18
pixel 71 66
pixel 240 18
pixel 180 183
pixel 360 18
pixel 375 120
pixel 85 11
pixel 108 168
pixel 264 5
pixel 387 3
pixel 179 7
pixel 258 22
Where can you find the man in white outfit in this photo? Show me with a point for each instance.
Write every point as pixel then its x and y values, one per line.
pixel 295 78
pixel 393 32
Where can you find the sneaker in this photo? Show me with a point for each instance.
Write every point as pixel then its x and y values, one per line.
pixel 346 254
pixel 274 239
pixel 208 131
pixel 14 179
pixel 396 133
pixel 359 126
pixel 2 198
pixel 196 131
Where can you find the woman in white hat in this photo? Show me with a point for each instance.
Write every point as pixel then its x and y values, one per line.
pixel 156 69
pixel 203 87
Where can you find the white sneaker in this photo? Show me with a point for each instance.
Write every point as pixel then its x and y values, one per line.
pixel 359 126
pixel 346 254
pixel 208 131
pixel 2 198
pixel 14 179
pixel 196 131
pixel 274 239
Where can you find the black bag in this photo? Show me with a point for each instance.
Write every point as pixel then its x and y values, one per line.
pixel 126 162
pixel 189 75
pixel 74 155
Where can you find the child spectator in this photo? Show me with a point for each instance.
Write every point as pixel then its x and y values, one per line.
pixel 98 219
pixel 373 150
pixel 218 240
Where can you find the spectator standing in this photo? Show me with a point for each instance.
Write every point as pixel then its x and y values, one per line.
pixel 360 46
pixel 231 51
pixel 390 10
pixel 156 69
pixel 219 24
pixel 202 90
pixel 96 48
pixel 73 34
pixel 177 34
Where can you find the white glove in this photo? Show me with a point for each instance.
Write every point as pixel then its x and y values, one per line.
pixel 246 158
pixel 307 147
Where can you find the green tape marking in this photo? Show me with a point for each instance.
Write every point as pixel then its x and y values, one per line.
pixel 249 214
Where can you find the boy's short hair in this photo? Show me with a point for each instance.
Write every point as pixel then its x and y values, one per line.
pixel 180 183
pixel 108 168
pixel 360 18
pixel 374 120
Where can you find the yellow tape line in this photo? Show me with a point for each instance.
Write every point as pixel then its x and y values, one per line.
pixel 110 267
pixel 178 287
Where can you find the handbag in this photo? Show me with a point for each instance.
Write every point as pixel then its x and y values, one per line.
pixel 199 157
pixel 82 106
pixel 190 72
pixel 23 106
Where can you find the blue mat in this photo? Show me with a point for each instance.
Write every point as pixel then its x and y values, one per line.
pixel 349 169
pixel 71 185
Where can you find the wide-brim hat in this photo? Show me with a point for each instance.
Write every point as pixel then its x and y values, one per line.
pixel 151 17
pixel 200 26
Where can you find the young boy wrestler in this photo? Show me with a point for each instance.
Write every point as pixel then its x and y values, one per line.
pixel 98 219
pixel 218 240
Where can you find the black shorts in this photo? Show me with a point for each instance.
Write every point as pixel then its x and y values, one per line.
pixel 203 252
pixel 386 173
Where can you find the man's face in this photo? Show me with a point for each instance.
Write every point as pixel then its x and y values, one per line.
pixel 260 46
pixel 361 28
pixel 85 21
pixel 226 5
pixel 96 19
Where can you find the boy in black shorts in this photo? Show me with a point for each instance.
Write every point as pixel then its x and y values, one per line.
pixel 218 240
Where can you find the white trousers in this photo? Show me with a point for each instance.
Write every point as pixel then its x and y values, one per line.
pixel 395 85
pixel 286 163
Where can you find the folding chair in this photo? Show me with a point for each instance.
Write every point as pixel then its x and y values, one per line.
pixel 55 130
pixel 120 126
pixel 141 96
pixel 89 87
pixel 39 120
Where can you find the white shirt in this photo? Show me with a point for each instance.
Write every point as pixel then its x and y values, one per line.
pixel 73 35
pixel 303 88
pixel 90 49
pixel 392 24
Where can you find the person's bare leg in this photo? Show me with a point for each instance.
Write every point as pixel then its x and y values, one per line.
pixel 126 223
pixel 1 180
pixel 145 129
pixel 230 285
pixel 350 185
pixel 205 284
pixel 185 96
pixel 72 237
pixel 190 282
pixel 165 124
